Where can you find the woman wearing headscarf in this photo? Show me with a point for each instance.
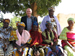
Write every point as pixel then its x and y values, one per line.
pixel 50 38
pixel 35 34
pixel 53 19
pixel 49 35
pixel 5 46
pixel 36 39
pixel 68 37
pixel 21 39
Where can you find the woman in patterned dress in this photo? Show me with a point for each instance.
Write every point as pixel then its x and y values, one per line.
pixel 4 36
pixel 21 40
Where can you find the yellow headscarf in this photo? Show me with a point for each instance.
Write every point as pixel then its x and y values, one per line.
pixel 6 20
pixel 20 23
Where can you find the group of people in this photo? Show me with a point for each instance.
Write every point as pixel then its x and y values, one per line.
pixel 28 41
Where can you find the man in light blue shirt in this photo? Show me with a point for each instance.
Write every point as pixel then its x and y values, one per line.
pixel 28 19
pixel 29 24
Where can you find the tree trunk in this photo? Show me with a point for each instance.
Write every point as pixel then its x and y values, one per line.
pixel 34 8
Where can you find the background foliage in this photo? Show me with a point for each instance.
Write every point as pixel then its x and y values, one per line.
pixel 39 7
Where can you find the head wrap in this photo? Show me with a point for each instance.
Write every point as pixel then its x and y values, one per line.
pixel 35 23
pixel 72 19
pixel 51 8
pixel 20 23
pixel 6 20
pixel 48 22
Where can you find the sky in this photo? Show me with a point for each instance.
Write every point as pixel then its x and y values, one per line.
pixel 65 7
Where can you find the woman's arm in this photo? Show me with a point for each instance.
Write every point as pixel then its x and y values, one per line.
pixel 73 48
pixel 46 41
pixel 68 43
pixel 15 45
pixel 25 45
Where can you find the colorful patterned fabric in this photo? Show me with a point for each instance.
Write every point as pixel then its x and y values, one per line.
pixel 46 51
pixel 31 52
pixel 24 53
pixel 49 38
pixel 47 18
pixel 13 36
pixel 5 31
pixel 20 39
pixel 63 36
pixel 4 41
pixel 35 35
pixel 20 23
pixel 36 38
pixel 6 20
pixel 54 24
pixel 25 38
pixel 71 36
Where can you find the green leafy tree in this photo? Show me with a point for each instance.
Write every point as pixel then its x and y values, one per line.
pixel 13 22
pixel 39 7
pixel 1 24
pixel 39 23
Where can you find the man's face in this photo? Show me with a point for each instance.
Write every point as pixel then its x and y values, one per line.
pixel 29 12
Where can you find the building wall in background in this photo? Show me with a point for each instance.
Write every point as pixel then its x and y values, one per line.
pixel 63 19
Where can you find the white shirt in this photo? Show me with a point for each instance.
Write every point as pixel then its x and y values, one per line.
pixel 47 18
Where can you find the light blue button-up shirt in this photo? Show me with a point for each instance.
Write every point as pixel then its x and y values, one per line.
pixel 29 24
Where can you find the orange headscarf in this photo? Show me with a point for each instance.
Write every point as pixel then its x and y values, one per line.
pixel 20 23
pixel 6 20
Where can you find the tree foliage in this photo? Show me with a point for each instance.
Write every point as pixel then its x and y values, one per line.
pixel 1 24
pixel 13 22
pixel 20 6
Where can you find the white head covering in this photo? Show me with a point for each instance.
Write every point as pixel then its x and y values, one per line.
pixel 51 8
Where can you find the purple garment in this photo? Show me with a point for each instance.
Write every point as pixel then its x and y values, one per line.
pixel 47 18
